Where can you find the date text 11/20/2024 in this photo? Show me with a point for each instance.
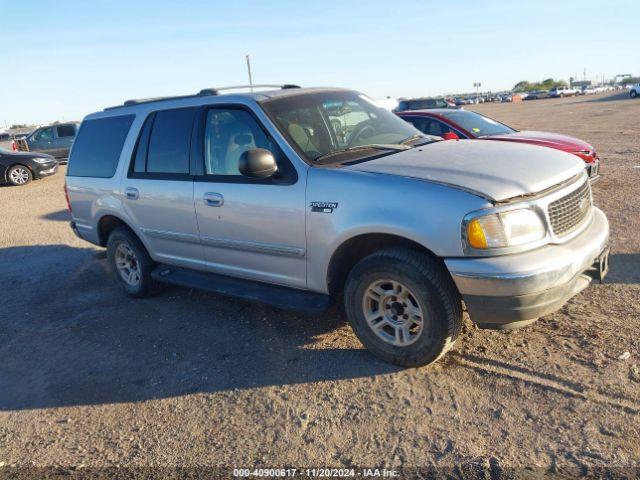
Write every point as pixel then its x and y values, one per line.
pixel 314 472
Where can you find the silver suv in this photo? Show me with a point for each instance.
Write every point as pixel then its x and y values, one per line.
pixel 299 198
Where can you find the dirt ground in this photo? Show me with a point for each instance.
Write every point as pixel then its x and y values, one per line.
pixel 91 378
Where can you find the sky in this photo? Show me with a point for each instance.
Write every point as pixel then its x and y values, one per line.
pixel 65 59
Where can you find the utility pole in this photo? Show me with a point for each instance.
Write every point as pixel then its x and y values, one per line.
pixel 249 70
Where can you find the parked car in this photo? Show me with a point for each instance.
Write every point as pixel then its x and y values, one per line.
pixel 405 104
pixel 536 95
pixel 6 141
pixel 55 140
pixel 559 92
pixel 634 91
pixel 256 195
pixel 471 125
pixel 19 168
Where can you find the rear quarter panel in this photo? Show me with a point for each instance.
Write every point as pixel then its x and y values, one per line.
pixel 92 198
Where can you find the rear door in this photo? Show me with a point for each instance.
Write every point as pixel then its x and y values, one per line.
pixel 64 135
pixel 158 188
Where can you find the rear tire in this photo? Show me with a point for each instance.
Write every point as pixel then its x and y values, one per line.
pixel 633 94
pixel 130 263
pixel 403 306
pixel 19 175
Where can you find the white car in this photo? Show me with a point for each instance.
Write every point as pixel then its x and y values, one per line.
pixel 562 92
pixel 634 91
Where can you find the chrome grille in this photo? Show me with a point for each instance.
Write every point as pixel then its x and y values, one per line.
pixel 567 213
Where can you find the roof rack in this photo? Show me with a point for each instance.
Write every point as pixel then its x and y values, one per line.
pixel 204 92
pixel 137 101
pixel 216 91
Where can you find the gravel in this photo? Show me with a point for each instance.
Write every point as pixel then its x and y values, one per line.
pixel 91 378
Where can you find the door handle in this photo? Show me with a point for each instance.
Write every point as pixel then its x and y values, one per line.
pixel 131 193
pixel 213 199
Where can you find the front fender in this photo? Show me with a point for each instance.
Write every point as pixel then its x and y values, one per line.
pixel 426 213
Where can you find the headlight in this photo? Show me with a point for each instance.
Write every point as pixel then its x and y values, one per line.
pixel 41 160
pixel 504 229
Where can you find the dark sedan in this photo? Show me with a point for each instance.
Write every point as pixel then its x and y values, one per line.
pixel 19 168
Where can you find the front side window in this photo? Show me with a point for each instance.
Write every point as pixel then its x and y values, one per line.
pixel 335 122
pixel 431 126
pixel 66 131
pixel 44 134
pixel 477 124
pixel 228 134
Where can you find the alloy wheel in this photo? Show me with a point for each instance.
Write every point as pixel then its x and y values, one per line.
pixel 127 265
pixel 19 175
pixel 393 312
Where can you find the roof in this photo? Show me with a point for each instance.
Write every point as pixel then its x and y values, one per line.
pixel 437 111
pixel 278 91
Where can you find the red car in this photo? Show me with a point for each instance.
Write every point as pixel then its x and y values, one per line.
pixel 455 124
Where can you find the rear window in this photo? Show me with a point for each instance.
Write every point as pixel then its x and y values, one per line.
pixel 422 104
pixel 97 148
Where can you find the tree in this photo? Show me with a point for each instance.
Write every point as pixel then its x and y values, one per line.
pixel 546 84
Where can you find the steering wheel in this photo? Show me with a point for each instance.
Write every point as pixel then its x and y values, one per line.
pixel 359 132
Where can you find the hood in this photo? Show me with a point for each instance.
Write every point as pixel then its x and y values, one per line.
pixel 544 139
pixel 28 155
pixel 495 170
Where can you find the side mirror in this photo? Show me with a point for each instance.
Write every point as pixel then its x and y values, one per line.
pixel 257 163
pixel 451 136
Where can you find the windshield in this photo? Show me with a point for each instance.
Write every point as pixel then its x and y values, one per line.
pixel 477 124
pixel 326 124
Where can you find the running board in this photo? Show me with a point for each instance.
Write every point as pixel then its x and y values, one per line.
pixel 274 295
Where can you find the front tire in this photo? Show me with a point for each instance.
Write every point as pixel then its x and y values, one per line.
pixel 403 306
pixel 19 175
pixel 130 263
pixel 633 94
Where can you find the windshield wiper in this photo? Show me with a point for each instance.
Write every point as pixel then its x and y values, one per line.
pixel 373 146
pixel 412 138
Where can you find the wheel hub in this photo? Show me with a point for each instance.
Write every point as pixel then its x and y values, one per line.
pixel 127 265
pixel 19 175
pixel 393 312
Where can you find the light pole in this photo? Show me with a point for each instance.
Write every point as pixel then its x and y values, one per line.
pixel 477 85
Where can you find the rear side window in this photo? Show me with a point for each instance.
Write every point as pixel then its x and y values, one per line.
pixel 66 131
pixel 165 143
pixel 97 148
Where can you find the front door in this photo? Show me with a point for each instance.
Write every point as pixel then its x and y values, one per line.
pixel 42 141
pixel 251 228
pixel 158 189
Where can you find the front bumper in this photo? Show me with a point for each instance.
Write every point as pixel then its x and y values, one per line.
pixel 512 290
pixel 45 170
